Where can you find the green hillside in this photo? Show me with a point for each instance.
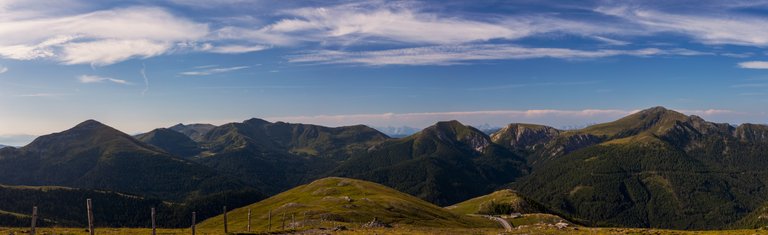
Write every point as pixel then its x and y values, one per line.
pixel 342 201
pixel 443 164
pixel 277 156
pixel 657 168
pixel 171 141
pixel 497 203
pixel 195 132
pixel 61 206
pixel 92 155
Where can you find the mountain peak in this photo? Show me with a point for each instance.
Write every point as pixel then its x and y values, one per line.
pixel 653 120
pixel 89 124
pixel 660 110
pixel 256 121
pixel 453 131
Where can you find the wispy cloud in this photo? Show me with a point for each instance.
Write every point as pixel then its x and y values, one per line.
pixel 754 65
pixel 99 38
pixel 413 32
pixel 98 79
pixel 210 71
pixel 704 26
pixel 238 49
pixel 143 73
pixel 3 69
pixel 447 55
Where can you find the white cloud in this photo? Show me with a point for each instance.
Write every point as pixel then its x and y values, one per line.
pixel 97 79
pixel 710 112
pixel 706 27
pixel 105 52
pixel 446 55
pixel 237 49
pixel 3 69
pixel 393 22
pixel 99 38
pixel 754 65
pixel 209 71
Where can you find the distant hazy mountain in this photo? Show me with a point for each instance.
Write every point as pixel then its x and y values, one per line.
pixel 16 140
pixel 487 128
pixel 3 146
pixel 398 132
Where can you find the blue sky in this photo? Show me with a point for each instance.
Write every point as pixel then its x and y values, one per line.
pixel 137 65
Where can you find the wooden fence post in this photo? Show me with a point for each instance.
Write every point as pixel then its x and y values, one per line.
pixel 34 220
pixel 225 220
pixel 283 221
pixel 293 221
pixel 249 220
pixel 269 216
pixel 154 225
pixel 194 215
pixel 89 205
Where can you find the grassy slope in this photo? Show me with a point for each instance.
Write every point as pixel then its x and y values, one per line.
pixel 520 204
pixel 401 231
pixel 344 201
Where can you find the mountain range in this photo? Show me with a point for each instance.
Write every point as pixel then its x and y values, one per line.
pixel 654 168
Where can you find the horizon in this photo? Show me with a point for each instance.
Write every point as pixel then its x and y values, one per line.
pixel 376 63
pixel 533 115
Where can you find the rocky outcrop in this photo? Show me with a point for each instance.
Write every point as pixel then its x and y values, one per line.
pixel 524 137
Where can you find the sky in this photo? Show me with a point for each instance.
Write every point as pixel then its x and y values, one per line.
pixel 138 64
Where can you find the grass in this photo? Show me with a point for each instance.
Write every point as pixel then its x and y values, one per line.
pixel 341 201
pixel 402 230
pixel 474 205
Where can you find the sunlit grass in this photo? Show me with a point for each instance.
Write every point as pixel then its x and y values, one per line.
pixel 405 230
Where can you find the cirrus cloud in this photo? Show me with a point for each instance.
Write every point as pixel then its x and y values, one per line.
pixel 98 79
pixel 754 65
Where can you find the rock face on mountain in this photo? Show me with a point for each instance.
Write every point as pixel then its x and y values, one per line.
pixel 94 156
pixel 524 137
pixel 444 164
pixel 656 168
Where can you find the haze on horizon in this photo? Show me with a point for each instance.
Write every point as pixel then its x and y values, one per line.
pixel 139 65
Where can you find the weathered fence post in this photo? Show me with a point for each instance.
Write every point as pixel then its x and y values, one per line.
pixel 225 220
pixel 293 221
pixel 249 220
pixel 283 221
pixel 154 225
pixel 34 220
pixel 194 215
pixel 89 205
pixel 304 223
pixel 269 216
